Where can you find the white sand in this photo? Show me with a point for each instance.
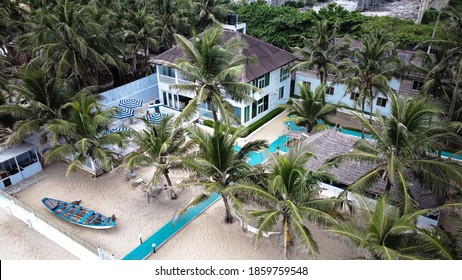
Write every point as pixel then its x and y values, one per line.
pixel 207 237
pixel 21 243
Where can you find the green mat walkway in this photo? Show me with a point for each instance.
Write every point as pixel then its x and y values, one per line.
pixel 145 249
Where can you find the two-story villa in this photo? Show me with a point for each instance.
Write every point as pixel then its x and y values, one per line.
pixel 270 73
pixel 409 84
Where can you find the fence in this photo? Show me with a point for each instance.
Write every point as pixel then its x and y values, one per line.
pixel 145 89
pixel 36 221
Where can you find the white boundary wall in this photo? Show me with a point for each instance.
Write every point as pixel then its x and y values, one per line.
pixel 49 231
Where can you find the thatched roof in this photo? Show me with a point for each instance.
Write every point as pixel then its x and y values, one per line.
pixel 328 143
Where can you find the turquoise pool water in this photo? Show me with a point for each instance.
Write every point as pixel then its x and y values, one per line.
pixel 259 157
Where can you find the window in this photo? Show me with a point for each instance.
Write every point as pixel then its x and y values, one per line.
pixel 281 93
pixel 417 85
pixel 354 95
pixel 260 106
pixel 171 100
pixel 262 81
pixel 237 112
pixel 285 71
pixel 306 85
pixel 167 71
pixel 381 101
pixel 247 114
pixel 330 90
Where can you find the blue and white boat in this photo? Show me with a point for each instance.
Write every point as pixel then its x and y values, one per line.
pixel 76 214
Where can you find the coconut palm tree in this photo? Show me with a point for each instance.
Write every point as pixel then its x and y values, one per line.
pixel 159 146
pixel 435 67
pixel 81 136
pixel 210 11
pixel 310 108
pixel 173 19
pixel 64 41
pixel 140 32
pixel 404 143
pixel 380 229
pixel 375 63
pixel 214 66
pixel 39 100
pixel 220 166
pixel 320 51
pixel 290 198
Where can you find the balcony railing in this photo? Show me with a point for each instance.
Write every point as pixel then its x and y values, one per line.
pixel 166 79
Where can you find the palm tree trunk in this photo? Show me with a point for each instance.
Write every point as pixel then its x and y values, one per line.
pixel 229 216
pixel 372 109
pixel 215 116
pixel 172 193
pixel 287 238
pixel 388 186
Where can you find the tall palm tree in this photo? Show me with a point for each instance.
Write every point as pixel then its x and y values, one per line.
pixel 159 146
pixel 290 198
pixel 310 108
pixel 210 11
pixel 385 234
pixel 140 32
pixel 39 101
pixel 220 165
pixel 214 66
pixel 375 63
pixel 64 41
pixel 173 19
pixel 435 67
pixel 81 135
pixel 401 151
pixel 320 51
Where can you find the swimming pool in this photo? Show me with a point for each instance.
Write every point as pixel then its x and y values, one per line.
pixel 259 157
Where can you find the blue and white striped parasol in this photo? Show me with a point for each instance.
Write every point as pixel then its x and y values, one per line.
pixel 155 118
pixel 131 103
pixel 123 113
pixel 118 129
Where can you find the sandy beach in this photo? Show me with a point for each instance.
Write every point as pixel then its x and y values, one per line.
pixel 207 237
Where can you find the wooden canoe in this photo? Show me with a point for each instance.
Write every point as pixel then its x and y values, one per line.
pixel 77 214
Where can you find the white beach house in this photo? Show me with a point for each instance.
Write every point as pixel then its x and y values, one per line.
pixel 270 73
pixel 409 85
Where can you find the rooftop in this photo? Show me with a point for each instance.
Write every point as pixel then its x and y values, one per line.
pixel 11 152
pixel 269 57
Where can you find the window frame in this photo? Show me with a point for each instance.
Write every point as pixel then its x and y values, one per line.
pixel 421 83
pixel 381 100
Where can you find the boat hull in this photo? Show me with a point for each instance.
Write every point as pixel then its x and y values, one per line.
pixel 76 214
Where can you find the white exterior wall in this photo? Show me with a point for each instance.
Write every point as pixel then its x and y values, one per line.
pixel 339 92
pixel 272 89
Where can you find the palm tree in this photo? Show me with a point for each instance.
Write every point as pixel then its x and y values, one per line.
pixel 159 146
pixel 39 101
pixel 310 108
pixel 173 19
pixel 64 41
pixel 385 234
pixel 81 135
pixel 401 151
pixel 435 67
pixel 220 165
pixel 211 11
pixel 320 51
pixel 290 198
pixel 375 63
pixel 214 66
pixel 140 31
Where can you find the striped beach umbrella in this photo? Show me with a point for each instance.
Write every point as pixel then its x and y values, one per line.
pixel 155 118
pixel 123 113
pixel 118 129
pixel 131 103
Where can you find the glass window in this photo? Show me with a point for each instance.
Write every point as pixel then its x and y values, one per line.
pixel 254 109
pixel 281 93
pixel 285 71
pixel 307 85
pixel 354 95
pixel 330 90
pixel 247 114
pixel 417 85
pixel 237 112
pixel 382 101
pixel 167 71
pixel 262 81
